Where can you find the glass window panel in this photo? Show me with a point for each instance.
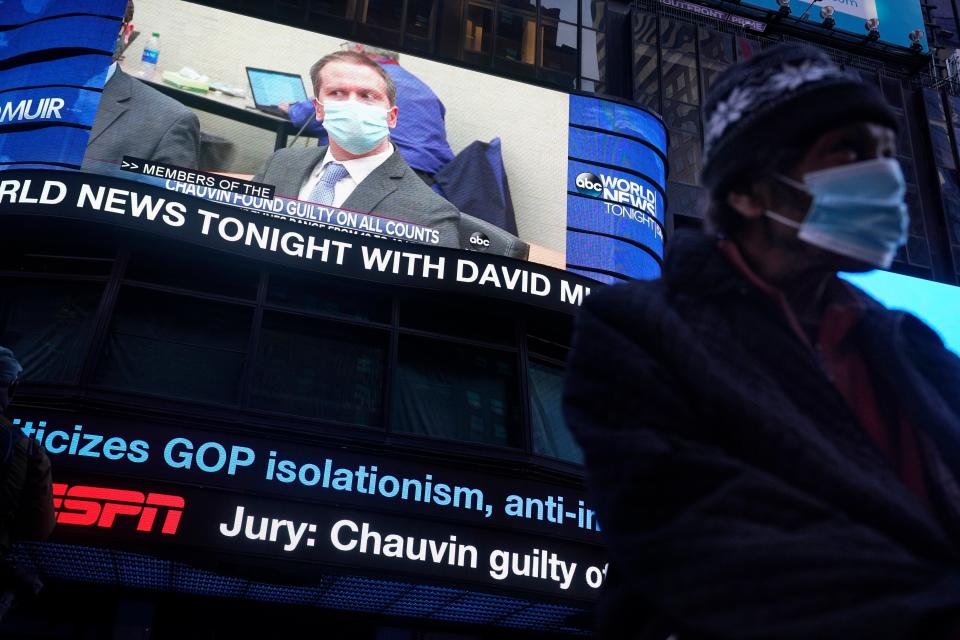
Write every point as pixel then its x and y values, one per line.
pixel 47 325
pixel 892 91
pixel 456 392
pixel 560 47
pixel 550 434
pixel 549 335
pixel 685 200
pixel 527 5
pixel 684 117
pixel 592 55
pixel 517 37
pixel 178 346
pixel 679 65
pixel 340 8
pixel 594 12
pixel 382 13
pixel 420 17
pixel 918 251
pixel 455 316
pixel 646 77
pixel 684 156
pixel 320 369
pixel 194 269
pixel 559 10
pixel 478 29
pixel 592 86
pixel 31 246
pixel 716 54
pixel 310 292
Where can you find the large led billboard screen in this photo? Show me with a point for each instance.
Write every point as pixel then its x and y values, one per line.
pixel 232 111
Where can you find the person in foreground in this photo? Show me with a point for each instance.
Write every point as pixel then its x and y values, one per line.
pixel 772 453
pixel 26 492
pixel 361 169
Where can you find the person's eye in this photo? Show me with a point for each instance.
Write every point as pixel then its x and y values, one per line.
pixel 846 147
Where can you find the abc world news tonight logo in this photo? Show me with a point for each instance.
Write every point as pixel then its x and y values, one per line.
pixel 623 198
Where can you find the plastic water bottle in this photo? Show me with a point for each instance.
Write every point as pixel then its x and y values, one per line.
pixel 151 53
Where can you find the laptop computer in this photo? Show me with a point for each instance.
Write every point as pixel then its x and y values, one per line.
pixel 270 88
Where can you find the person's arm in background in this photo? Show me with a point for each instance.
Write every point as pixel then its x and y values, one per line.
pixel 721 548
pixel 180 144
pixel 304 112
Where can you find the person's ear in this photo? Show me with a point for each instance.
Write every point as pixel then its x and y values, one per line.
pixel 318 106
pixel 392 114
pixel 746 204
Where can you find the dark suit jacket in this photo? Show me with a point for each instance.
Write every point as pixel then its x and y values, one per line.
pixel 738 494
pixel 392 190
pixel 137 120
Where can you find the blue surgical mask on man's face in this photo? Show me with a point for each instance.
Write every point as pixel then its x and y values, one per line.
pixel 858 210
pixel 355 126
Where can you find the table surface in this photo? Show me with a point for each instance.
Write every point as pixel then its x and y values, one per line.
pixel 240 109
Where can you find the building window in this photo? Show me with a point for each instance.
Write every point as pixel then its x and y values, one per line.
pixel 456 392
pixel 517 37
pixel 47 325
pixel 315 294
pixel 550 435
pixel 478 29
pixel 565 10
pixel 174 345
pixel 594 12
pixel 339 8
pixel 592 55
pixel 679 66
pixel 716 54
pixel 320 369
pixel 646 65
pixel 559 47
pixel 386 14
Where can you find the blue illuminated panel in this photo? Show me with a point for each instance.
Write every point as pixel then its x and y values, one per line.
pixel 339 592
pixel 623 153
pixel 54 58
pixel 616 177
pixel 609 254
pixel 933 302
pixel 613 116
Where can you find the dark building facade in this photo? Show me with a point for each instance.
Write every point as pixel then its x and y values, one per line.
pixel 162 338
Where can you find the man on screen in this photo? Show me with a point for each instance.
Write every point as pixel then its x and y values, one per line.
pixel 137 120
pixel 361 170
pixel 421 135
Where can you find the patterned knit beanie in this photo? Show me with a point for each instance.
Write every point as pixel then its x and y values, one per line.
pixel 783 95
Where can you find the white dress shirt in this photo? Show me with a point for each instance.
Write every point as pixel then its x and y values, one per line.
pixel 357 170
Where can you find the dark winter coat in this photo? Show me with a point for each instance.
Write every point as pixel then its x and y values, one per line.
pixel 739 496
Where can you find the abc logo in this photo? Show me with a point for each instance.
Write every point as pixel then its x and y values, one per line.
pixel 589 185
pixel 479 241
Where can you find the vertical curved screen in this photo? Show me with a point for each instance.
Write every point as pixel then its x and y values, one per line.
pixel 616 177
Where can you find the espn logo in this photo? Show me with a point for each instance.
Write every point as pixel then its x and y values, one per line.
pixel 100 506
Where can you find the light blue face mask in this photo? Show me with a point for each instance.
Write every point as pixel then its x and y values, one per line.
pixel 355 126
pixel 858 210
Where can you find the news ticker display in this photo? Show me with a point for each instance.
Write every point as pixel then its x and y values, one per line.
pixel 102 200
pixel 53 64
pixel 170 488
pixel 616 185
